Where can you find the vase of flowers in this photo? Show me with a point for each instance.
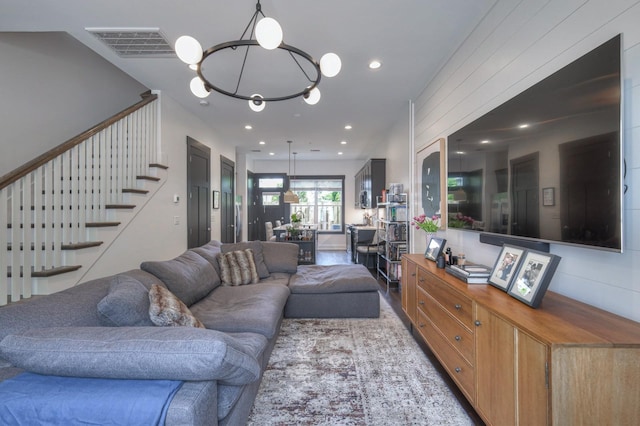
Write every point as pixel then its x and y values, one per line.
pixel 429 225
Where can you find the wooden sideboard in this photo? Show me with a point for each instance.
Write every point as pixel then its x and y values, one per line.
pixel 565 363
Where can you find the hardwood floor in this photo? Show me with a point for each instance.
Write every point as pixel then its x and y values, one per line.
pixel 339 257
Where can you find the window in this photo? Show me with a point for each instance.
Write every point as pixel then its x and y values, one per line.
pixel 274 182
pixel 321 201
pixel 270 198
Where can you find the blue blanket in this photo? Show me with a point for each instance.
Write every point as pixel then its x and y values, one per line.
pixel 30 399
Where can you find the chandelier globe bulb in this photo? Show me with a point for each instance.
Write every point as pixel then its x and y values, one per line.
pixel 188 50
pixel 256 103
pixel 268 33
pixel 197 88
pixel 330 64
pixel 313 96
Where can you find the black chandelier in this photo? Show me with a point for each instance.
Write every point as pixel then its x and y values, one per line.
pixel 268 35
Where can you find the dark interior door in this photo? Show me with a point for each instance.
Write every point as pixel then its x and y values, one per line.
pixel 525 219
pixel 198 193
pixel 253 231
pixel 227 200
pixel 270 204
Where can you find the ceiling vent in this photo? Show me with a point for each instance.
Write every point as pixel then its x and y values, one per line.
pixel 134 42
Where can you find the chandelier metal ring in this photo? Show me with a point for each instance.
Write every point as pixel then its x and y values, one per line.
pixel 249 43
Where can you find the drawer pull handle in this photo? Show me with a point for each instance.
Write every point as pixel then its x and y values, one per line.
pixel 458 369
pixel 458 338
pixel 413 275
pixel 458 306
pixel 421 325
pixel 421 302
pixel 477 323
pixel 421 279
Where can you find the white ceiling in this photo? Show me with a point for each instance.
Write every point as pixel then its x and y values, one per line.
pixel 412 39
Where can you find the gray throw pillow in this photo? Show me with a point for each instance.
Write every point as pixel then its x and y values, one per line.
pixel 210 253
pixel 189 276
pixel 126 304
pixel 258 257
pixel 280 257
pixel 155 353
pixel 238 268
pixel 166 310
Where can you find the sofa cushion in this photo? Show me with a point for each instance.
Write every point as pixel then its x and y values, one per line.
pixel 255 308
pixel 238 268
pixel 210 253
pixel 171 353
pixel 166 310
pixel 280 257
pixel 333 279
pixel 126 304
pixel 188 276
pixel 258 257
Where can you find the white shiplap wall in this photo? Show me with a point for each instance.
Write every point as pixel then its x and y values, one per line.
pixel 516 45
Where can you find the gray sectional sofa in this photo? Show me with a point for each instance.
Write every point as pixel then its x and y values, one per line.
pixel 107 328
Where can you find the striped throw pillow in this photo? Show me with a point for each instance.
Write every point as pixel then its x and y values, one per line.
pixel 238 268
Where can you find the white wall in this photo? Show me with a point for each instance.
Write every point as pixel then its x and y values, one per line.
pixel 516 45
pixel 52 88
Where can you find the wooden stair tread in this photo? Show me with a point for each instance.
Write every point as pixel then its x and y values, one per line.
pixel 158 166
pixel 119 206
pixel 101 224
pixel 81 245
pixel 49 272
pixel 134 191
pixel 152 178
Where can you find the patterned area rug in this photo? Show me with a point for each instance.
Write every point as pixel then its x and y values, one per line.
pixel 352 372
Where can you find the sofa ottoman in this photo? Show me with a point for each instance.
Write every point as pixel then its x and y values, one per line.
pixel 333 291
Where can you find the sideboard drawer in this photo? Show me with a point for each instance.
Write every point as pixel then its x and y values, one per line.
pixel 458 305
pixel 456 334
pixel 459 369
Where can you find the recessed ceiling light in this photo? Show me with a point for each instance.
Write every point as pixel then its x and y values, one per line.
pixel 375 64
pixel 484 141
pixel 340 153
pixel 343 142
pixel 460 152
pixel 348 127
pixel 248 127
pixel 271 153
pixel 262 142
pixel 523 126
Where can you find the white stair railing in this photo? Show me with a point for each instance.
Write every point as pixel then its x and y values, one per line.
pixel 47 203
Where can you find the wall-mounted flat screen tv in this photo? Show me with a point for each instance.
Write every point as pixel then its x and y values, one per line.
pixel 546 165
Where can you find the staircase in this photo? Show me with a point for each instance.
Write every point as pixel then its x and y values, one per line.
pixel 64 209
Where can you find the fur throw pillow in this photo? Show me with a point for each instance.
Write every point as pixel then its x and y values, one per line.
pixel 238 267
pixel 167 310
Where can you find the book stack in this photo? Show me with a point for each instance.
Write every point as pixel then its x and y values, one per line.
pixel 471 274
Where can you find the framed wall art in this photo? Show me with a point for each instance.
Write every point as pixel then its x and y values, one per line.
pixel 506 266
pixel 216 199
pixel 431 191
pixel 533 277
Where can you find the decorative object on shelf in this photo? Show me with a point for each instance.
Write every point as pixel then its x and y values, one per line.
pixel 428 225
pixel 533 277
pixel 506 265
pixel 431 179
pixel 291 197
pixel 434 249
pixel 268 35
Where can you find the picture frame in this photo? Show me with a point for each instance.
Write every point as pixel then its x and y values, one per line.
pixel 533 277
pixel 216 199
pixel 431 180
pixel 506 266
pixel 548 196
pixel 435 248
